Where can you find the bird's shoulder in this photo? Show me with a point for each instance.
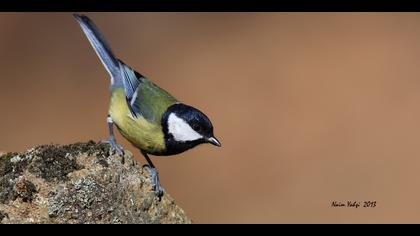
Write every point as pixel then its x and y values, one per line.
pixel 144 97
pixel 152 101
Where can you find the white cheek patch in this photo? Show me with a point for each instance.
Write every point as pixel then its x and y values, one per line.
pixel 181 130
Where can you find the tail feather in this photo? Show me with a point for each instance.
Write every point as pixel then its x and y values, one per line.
pixel 101 47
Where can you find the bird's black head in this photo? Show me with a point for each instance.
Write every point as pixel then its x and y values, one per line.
pixel 185 127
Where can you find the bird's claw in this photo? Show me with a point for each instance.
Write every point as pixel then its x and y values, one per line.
pixel 114 146
pixel 154 175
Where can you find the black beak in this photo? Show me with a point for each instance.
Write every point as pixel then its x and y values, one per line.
pixel 214 141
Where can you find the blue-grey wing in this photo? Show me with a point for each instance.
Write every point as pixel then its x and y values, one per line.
pixel 132 80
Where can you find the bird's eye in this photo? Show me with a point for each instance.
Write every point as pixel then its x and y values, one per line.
pixel 196 127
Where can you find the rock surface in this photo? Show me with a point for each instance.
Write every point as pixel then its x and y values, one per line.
pixel 80 183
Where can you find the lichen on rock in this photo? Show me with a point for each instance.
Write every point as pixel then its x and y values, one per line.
pixel 80 183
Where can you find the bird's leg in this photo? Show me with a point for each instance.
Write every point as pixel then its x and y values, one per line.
pixel 112 141
pixel 154 175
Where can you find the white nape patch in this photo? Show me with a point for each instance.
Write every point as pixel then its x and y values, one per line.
pixel 181 130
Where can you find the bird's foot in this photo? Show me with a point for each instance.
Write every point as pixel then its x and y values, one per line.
pixel 155 181
pixel 114 146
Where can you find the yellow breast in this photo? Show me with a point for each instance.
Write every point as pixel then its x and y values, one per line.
pixel 137 130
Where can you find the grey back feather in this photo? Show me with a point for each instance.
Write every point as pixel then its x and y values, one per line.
pixel 131 82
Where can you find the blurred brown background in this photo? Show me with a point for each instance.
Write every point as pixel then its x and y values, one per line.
pixel 310 107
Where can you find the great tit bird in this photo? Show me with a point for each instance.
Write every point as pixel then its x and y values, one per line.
pixel 146 115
